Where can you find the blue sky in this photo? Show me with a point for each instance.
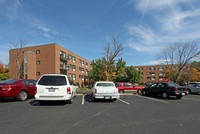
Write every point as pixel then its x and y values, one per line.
pixel 85 26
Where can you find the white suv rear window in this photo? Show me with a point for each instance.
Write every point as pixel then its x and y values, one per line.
pixel 53 81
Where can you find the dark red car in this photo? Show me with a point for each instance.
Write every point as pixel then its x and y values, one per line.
pixel 126 87
pixel 20 89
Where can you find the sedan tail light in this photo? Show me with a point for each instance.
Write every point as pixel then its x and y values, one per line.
pixel 6 87
pixel 68 90
pixel 175 88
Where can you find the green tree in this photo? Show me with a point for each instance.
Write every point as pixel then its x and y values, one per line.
pixel 195 64
pixel 132 75
pixel 98 68
pixel 120 66
pixel 4 76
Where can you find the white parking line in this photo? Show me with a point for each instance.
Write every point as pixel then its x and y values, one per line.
pixel 154 99
pixel 123 101
pixel 83 100
pixel 190 99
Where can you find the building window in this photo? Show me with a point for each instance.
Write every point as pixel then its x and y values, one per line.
pixel 69 56
pixel 70 75
pixel 38 62
pixel 37 73
pixel 82 62
pixel 73 76
pixel 86 64
pixel 73 68
pixel 151 68
pixel 38 52
pixel 161 73
pixel 86 71
pixel 73 59
pixel 82 70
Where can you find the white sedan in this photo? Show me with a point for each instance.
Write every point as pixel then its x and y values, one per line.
pixel 105 90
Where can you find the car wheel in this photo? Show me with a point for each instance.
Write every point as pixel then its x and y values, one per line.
pixel 22 96
pixel 139 91
pixel 164 95
pixel 121 91
pixel 144 93
pixel 179 96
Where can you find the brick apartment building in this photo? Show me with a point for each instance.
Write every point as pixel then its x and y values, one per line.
pixel 49 59
pixel 152 73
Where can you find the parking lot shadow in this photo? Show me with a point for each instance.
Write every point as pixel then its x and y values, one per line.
pixel 49 103
pixel 6 100
pixel 10 100
pixel 89 99
pixel 159 97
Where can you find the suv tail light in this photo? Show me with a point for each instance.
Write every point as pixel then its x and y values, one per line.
pixel 175 88
pixel 95 91
pixel 68 90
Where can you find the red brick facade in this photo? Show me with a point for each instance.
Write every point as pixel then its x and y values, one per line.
pixel 50 58
pixel 152 73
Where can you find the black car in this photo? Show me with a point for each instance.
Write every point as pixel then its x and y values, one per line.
pixel 165 89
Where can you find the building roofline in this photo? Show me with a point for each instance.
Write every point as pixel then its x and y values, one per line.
pixel 52 44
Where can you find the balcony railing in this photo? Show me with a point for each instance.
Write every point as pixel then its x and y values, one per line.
pixel 64 67
pixel 63 58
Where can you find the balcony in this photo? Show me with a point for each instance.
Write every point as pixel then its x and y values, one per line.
pixel 63 58
pixel 63 67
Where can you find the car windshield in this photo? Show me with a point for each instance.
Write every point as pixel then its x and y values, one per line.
pixel 53 80
pixel 105 85
pixel 8 81
pixel 172 85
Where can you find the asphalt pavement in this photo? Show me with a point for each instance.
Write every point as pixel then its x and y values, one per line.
pixel 130 114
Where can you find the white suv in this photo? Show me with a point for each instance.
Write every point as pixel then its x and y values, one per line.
pixel 54 87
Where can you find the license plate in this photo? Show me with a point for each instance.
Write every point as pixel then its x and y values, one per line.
pixel 107 97
pixel 183 93
pixel 51 90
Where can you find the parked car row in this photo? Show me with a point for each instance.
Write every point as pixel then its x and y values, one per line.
pixel 56 87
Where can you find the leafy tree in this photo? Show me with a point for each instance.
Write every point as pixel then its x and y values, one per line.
pixel 195 64
pixel 132 75
pixel 98 69
pixel 4 72
pixel 4 76
pixel 185 76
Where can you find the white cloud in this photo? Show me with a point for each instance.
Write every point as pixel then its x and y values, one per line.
pixel 170 25
pixel 13 9
pixel 155 62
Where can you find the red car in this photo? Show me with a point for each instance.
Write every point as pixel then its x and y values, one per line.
pixel 125 87
pixel 20 89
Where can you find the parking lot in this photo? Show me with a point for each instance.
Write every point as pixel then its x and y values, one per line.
pixel 130 114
